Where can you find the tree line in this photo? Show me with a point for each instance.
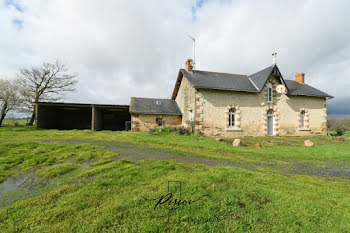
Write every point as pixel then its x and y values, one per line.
pixel 47 82
pixel 339 125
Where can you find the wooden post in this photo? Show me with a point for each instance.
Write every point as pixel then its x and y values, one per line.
pixel 93 117
pixel 36 106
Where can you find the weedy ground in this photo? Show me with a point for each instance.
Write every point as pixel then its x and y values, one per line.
pixel 84 181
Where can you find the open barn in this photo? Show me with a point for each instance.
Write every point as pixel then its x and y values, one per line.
pixel 82 116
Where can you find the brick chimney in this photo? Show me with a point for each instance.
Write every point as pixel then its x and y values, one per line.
pixel 300 78
pixel 188 65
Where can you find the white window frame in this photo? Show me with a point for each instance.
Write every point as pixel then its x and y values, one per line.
pixel 302 119
pixel 231 118
pixel 269 93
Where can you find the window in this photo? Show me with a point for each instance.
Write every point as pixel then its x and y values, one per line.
pixel 190 115
pixel 159 122
pixel 231 119
pixel 269 93
pixel 302 119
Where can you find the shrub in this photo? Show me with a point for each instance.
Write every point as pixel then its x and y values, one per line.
pixel 181 129
pixel 151 130
pixel 340 131
pixel 164 130
pixel 160 130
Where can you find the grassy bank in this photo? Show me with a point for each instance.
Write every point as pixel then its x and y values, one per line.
pixel 272 147
pixel 87 189
pixel 29 154
pixel 238 201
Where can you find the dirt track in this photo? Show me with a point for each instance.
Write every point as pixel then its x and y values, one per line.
pixel 329 169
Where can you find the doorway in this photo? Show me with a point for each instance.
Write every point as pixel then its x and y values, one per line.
pixel 269 122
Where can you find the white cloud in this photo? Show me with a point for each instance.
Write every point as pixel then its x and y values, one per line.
pixel 135 48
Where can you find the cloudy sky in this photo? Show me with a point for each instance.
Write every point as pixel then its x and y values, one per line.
pixel 135 48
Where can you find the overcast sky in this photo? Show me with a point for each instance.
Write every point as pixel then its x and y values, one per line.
pixel 135 48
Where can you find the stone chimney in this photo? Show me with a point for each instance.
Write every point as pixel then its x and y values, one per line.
pixel 188 65
pixel 300 78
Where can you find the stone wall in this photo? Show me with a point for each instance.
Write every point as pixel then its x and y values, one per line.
pixel 143 122
pixel 185 101
pixel 212 108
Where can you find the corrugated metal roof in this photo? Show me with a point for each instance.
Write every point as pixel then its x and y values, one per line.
pixel 140 105
pixel 80 104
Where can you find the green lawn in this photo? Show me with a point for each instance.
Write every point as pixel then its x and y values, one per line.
pixel 272 147
pixel 90 190
pixel 13 122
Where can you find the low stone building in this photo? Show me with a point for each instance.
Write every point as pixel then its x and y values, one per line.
pixel 149 113
pixel 233 105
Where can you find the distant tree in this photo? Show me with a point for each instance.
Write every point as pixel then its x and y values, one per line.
pixel 10 97
pixel 47 82
pixel 340 125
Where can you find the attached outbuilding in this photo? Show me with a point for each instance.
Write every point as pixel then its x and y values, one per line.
pixel 82 116
pixel 152 113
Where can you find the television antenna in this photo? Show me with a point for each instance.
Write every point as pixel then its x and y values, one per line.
pixel 194 48
pixel 274 58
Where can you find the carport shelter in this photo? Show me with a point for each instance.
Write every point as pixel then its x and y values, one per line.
pixel 82 116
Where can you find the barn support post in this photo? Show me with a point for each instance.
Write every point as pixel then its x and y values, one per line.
pixel 93 110
pixel 36 106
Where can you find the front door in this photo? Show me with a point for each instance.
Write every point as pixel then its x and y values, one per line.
pixel 270 122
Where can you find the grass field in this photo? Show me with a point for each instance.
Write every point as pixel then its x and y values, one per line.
pixel 14 122
pixel 72 182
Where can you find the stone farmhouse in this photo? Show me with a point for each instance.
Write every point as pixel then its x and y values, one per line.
pixel 210 103
pixel 234 105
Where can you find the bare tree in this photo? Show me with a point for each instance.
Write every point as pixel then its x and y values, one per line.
pixel 47 82
pixel 10 97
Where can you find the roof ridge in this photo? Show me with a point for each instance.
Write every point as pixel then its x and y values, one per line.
pixel 151 98
pixel 221 72
pixel 272 66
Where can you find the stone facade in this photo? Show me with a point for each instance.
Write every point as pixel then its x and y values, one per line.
pixel 233 105
pixel 186 102
pixel 143 122
pixel 212 108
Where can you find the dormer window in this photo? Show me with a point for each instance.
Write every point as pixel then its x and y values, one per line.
pixel 269 93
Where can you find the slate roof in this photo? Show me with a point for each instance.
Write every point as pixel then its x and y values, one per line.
pixel 237 82
pixel 259 78
pixel 296 88
pixel 141 105
pixel 219 81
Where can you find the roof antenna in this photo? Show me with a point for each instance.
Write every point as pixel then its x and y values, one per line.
pixel 194 50
pixel 274 57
